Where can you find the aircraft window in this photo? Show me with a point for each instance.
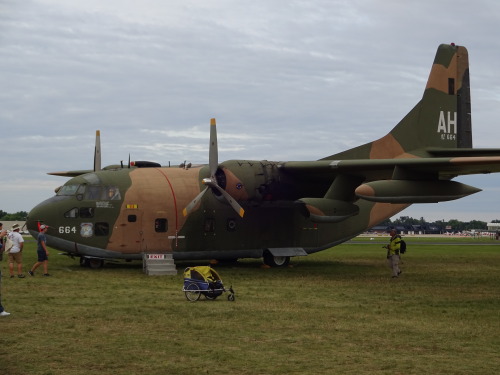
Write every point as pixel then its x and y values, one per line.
pixel 87 212
pixel 68 190
pixel 101 229
pixel 112 193
pixel 71 213
pixel 209 225
pixel 161 225
pixel 93 192
pixel 92 178
pixel 132 218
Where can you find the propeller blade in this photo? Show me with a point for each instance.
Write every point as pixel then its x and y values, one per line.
pixel 97 151
pixel 213 163
pixel 194 202
pixel 239 210
pixel 213 156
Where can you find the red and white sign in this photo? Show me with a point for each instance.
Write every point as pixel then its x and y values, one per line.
pixel 156 256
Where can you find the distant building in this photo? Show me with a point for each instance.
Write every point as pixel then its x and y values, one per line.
pixel 493 227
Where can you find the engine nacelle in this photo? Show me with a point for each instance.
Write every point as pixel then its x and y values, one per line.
pixel 409 191
pixel 247 180
pixel 323 210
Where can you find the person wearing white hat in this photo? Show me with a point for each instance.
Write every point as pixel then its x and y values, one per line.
pixel 15 253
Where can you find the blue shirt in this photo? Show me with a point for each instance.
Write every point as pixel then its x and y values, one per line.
pixel 41 237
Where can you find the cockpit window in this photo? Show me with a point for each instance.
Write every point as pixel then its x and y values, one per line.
pixel 112 193
pixel 93 193
pixel 73 213
pixel 92 178
pixel 68 190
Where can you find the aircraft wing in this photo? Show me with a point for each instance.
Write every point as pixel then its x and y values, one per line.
pixel 369 169
pixel 71 173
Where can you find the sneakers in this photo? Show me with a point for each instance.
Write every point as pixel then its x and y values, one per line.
pixel 33 274
pixel 4 313
pixel 21 276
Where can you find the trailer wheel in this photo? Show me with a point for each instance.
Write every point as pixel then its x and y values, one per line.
pixel 192 292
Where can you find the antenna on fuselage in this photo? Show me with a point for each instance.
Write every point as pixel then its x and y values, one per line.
pixel 97 151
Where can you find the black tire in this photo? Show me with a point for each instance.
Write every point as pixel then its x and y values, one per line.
pixel 192 292
pixel 95 264
pixel 230 297
pixel 84 262
pixel 272 261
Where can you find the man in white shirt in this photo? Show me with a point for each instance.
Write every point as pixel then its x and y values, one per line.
pixel 15 253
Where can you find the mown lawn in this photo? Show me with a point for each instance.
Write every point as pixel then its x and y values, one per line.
pixel 335 312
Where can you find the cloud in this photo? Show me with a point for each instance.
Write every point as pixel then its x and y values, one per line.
pixel 286 80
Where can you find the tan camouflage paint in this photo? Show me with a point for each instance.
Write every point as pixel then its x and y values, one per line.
pixel 151 196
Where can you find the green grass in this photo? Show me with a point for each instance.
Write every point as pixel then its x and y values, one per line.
pixel 335 312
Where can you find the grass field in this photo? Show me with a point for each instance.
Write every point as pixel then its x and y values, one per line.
pixel 335 312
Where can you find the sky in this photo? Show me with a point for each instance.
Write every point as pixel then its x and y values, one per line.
pixel 286 80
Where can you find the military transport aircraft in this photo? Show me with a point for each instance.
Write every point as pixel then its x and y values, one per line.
pixel 272 209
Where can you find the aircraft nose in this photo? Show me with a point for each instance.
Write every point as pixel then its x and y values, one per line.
pixel 45 212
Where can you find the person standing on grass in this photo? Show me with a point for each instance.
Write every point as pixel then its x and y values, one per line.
pixel 42 252
pixel 2 310
pixel 16 252
pixel 3 233
pixel 393 252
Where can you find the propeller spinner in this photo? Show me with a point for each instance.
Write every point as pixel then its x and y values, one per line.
pixel 211 182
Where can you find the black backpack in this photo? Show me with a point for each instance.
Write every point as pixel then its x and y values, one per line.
pixel 402 247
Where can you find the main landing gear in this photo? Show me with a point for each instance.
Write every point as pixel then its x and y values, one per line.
pixel 275 261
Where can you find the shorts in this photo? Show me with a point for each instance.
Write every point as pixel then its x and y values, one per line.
pixel 16 257
pixel 42 256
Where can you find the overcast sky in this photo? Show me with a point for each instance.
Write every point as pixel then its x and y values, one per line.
pixel 286 80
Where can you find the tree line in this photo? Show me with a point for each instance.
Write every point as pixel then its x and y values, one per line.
pixel 453 224
pixel 405 221
pixel 18 216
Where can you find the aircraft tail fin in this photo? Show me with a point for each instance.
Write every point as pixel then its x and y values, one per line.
pixel 440 120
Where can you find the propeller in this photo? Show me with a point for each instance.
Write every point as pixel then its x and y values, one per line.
pixel 211 182
pixel 97 151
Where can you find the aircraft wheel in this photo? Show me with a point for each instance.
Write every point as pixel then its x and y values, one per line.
pixel 230 297
pixel 192 292
pixel 84 262
pixel 96 263
pixel 273 261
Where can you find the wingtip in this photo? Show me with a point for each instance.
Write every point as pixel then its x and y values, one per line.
pixel 212 122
